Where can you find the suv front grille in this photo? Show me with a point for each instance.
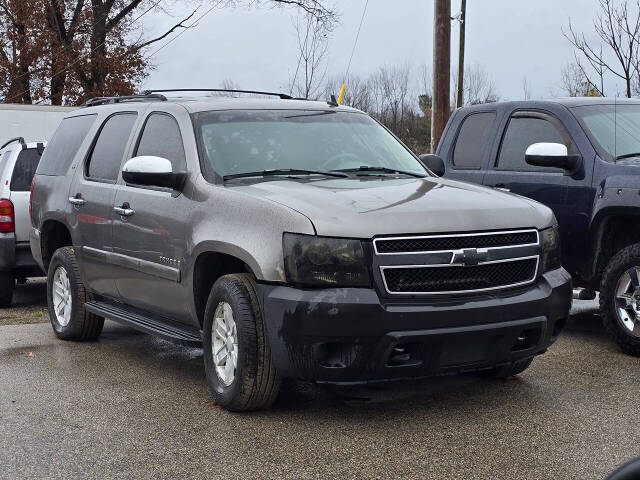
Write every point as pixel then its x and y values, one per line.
pixel 459 279
pixel 448 242
pixel 457 263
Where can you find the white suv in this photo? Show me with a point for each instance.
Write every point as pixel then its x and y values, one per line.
pixel 18 163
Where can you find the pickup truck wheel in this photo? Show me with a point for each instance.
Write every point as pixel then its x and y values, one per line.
pixel 620 299
pixel 7 285
pixel 511 370
pixel 237 357
pixel 66 297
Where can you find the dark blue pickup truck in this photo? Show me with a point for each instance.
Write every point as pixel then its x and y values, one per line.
pixel 580 157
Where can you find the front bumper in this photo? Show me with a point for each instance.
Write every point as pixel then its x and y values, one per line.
pixel 348 335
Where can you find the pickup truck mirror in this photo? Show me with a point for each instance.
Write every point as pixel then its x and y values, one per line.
pixel 433 163
pixel 551 155
pixel 152 171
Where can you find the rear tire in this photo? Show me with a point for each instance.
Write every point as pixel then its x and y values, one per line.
pixel 237 357
pixel 66 299
pixel 7 285
pixel 622 322
pixel 511 370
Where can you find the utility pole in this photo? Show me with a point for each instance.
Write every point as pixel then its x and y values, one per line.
pixel 441 69
pixel 463 14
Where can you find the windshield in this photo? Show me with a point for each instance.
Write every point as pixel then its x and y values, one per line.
pixel 236 142
pixel 614 130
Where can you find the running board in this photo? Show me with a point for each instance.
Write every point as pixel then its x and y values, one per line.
pixel 164 328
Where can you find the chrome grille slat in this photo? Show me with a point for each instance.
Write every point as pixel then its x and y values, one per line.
pixel 440 243
pixel 514 262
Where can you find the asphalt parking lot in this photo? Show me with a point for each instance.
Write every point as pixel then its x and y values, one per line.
pixel 133 406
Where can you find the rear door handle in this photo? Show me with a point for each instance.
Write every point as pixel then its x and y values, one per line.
pixel 76 201
pixel 124 210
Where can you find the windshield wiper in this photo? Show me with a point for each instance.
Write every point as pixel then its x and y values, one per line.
pixel 284 171
pixel 369 168
pixel 627 155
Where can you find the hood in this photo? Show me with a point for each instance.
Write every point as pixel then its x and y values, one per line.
pixel 364 207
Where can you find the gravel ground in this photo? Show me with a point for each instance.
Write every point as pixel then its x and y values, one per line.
pixel 133 406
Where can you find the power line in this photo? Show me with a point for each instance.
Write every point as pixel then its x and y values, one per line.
pixel 364 12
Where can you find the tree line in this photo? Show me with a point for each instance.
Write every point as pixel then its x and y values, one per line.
pixel 65 51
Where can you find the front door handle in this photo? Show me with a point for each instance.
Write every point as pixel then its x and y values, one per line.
pixel 125 210
pixel 76 201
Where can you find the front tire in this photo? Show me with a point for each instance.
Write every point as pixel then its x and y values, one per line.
pixel 620 299
pixel 237 357
pixel 66 297
pixel 7 285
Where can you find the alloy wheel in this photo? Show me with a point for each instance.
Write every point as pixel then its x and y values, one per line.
pixel 628 300
pixel 61 296
pixel 224 343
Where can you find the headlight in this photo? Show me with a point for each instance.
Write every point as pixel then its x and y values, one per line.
pixel 550 249
pixel 324 262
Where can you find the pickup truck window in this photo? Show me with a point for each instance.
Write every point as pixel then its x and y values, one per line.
pixel 474 134
pixel 106 156
pixel 161 138
pixel 612 129
pixel 24 170
pixel 521 133
pixel 234 142
pixel 65 144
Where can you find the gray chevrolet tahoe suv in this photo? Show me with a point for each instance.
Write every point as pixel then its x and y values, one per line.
pixel 292 239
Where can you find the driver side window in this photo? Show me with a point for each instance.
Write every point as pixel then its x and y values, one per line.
pixel 161 138
pixel 520 134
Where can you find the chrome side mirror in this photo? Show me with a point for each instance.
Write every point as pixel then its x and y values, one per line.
pixel 551 155
pixel 152 171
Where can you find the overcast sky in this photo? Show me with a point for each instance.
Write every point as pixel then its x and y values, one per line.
pixel 511 39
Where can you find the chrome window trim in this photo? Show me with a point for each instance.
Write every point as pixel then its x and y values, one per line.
pixel 454 235
pixel 450 292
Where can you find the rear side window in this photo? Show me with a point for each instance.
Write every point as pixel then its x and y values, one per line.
pixel 3 160
pixel 108 150
pixel 24 170
pixel 521 133
pixel 472 139
pixel 161 138
pixel 64 145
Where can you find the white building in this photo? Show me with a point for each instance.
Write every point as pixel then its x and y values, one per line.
pixel 35 123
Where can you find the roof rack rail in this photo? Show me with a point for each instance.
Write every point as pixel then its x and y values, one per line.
pixel 282 96
pixel 92 102
pixel 17 139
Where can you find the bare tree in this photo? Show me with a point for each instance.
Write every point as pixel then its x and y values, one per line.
pixel 478 86
pixel 390 94
pixel 356 95
pixel 317 9
pixel 313 43
pixel 619 30
pixel 526 89
pixel 574 83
